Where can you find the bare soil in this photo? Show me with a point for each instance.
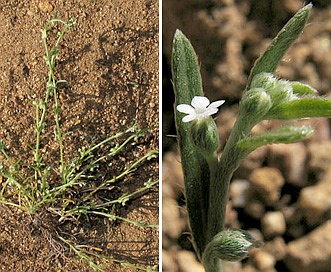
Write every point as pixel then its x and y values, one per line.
pixel 110 63
pixel 228 37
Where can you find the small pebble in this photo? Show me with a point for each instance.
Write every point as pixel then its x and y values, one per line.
pixel 172 226
pixel 312 252
pixel 255 209
pixel 187 262
pixel 249 268
pixel 231 266
pixel 268 182
pixel 320 155
pixel 168 264
pixel 276 248
pixel 273 224
pixel 45 6
pixel 172 173
pixel 292 160
pixel 264 260
pixel 239 192
pixel 315 202
pixel 292 214
pixel 167 190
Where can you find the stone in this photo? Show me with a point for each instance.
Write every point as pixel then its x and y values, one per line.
pixel 292 214
pixel 171 222
pixel 273 224
pixel 249 268
pixel 167 191
pixel 231 266
pixel 320 155
pixel 267 181
pixel 45 6
pixel 311 253
pixel 291 159
pixel 315 201
pixel 187 262
pixel 276 248
pixel 168 264
pixel 255 209
pixel 264 260
pixel 253 161
pixel 172 173
pixel 239 192
pixel 321 129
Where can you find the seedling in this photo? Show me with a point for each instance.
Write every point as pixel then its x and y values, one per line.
pixel 40 187
pixel 207 176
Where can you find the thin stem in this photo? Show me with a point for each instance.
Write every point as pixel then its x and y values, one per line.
pixel 58 132
pixel 219 185
pixel 212 263
pixel 220 176
pixel 51 88
pixel 127 170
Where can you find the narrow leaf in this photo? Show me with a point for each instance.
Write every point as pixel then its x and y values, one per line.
pixel 302 108
pixel 283 135
pixel 185 70
pixel 268 62
pixel 302 89
pixel 187 84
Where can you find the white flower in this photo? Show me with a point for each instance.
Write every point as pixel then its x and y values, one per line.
pixel 201 108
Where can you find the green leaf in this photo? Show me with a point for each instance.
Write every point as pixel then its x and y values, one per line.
pixel 302 108
pixel 187 84
pixel 268 62
pixel 302 89
pixel 285 135
pixel 185 70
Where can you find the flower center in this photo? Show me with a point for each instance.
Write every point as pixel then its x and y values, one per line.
pixel 200 110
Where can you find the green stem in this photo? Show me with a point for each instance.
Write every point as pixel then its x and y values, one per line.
pixel 213 264
pixel 220 177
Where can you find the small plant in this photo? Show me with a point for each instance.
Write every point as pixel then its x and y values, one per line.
pixel 207 176
pixel 68 190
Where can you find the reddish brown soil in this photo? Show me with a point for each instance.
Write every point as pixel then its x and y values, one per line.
pixel 110 63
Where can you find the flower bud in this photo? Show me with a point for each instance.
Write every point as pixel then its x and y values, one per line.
pixel 283 92
pixel 204 136
pixel 266 81
pixel 280 90
pixel 230 245
pixel 255 103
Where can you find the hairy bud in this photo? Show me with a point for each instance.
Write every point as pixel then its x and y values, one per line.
pixel 230 245
pixel 204 136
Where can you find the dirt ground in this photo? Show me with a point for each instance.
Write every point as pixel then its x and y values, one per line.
pixel 110 63
pixel 279 192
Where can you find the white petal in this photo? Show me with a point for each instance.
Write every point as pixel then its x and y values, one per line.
pixel 211 111
pixel 184 108
pixel 200 102
pixel 189 118
pixel 216 104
